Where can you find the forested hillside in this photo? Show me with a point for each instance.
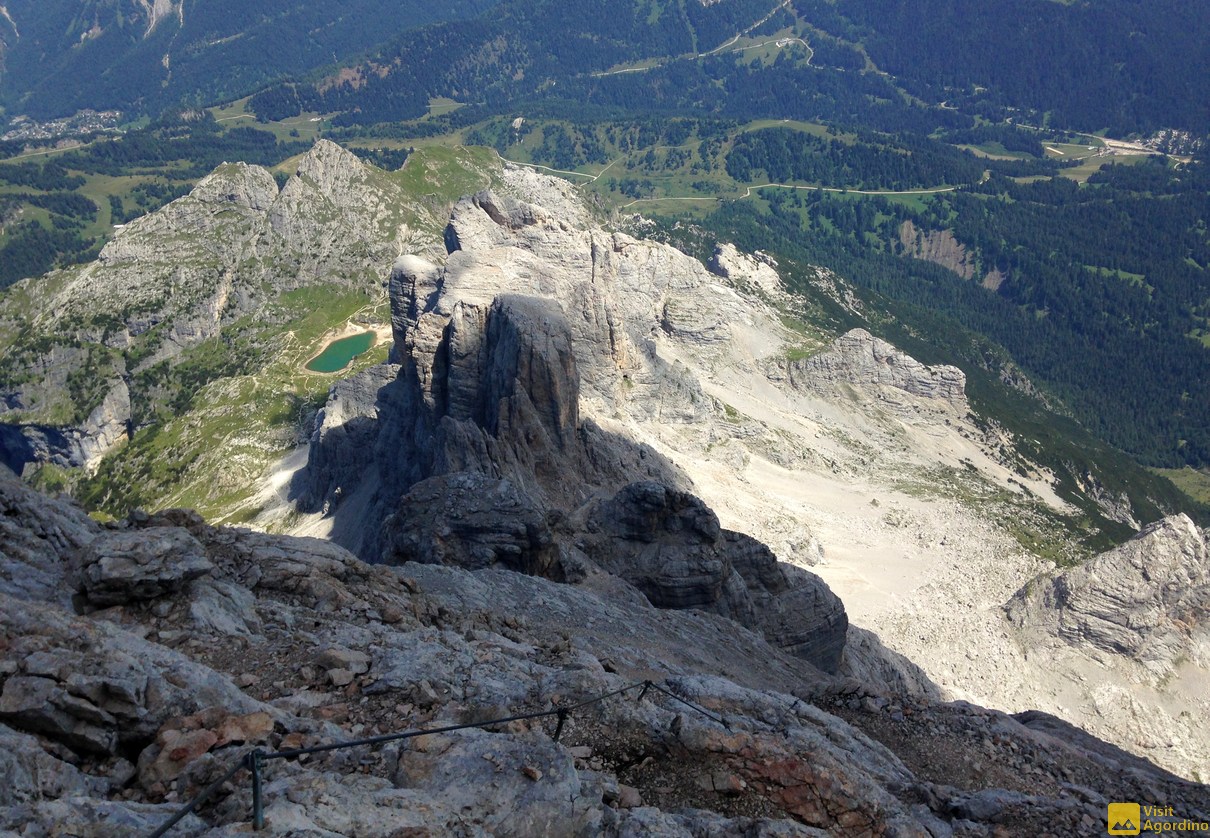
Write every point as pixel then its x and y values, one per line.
pixel 61 56
pixel 993 214
pixel 1121 65
pixel 1100 293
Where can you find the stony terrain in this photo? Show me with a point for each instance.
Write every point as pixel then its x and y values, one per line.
pixel 568 359
pixel 589 406
pixel 148 656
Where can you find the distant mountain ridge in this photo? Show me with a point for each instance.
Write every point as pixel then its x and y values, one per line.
pixel 1116 64
pixel 57 57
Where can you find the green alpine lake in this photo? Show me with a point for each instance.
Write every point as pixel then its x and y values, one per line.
pixel 340 353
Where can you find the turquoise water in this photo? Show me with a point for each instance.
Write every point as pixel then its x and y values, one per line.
pixel 340 353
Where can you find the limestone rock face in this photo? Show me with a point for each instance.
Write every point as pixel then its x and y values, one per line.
pixel 470 521
pixel 36 533
pixel 480 439
pixel 535 314
pixel 345 434
pixel 729 262
pixel 942 248
pixel 669 545
pixel 861 360
pixel 1148 599
pixel 939 247
pixel 120 567
pixel 866 660
pixel 665 543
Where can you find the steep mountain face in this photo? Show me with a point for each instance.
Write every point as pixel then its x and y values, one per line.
pixel 171 281
pixel 598 407
pixel 145 55
pixel 147 657
pixel 527 367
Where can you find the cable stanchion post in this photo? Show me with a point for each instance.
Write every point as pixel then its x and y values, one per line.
pixel 258 805
pixel 255 760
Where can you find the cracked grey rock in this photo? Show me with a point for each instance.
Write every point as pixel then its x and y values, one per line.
pixel 36 533
pixel 118 567
pixel 1147 599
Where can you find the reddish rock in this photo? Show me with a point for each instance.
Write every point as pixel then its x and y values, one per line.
pixel 177 749
pixel 254 727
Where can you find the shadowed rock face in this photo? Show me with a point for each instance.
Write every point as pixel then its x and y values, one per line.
pixel 72 447
pixel 499 398
pixel 470 521
pixel 669 545
pixel 1148 599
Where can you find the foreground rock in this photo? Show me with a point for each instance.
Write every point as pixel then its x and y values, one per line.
pixel 37 536
pixel 113 720
pixel 117 567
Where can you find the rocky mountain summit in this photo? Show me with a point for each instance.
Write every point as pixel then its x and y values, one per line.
pixel 1148 600
pixel 146 657
pixel 168 282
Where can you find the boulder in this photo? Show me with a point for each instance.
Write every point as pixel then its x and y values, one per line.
pixel 121 566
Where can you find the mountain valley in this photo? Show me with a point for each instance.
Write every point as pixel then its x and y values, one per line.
pixel 540 365
pixel 775 426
